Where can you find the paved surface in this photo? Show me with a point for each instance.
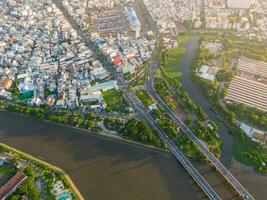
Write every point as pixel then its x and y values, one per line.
pixel 138 107
pixel 213 160
pixel 178 154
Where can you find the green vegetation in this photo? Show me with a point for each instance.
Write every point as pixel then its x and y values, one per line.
pixel 238 46
pixel 249 115
pixel 48 173
pixel 165 122
pixel 244 149
pixel 139 131
pixel 48 178
pixel 14 89
pixel 174 95
pixel 71 118
pixel 28 187
pixel 144 97
pixel 171 91
pixel 172 131
pixel 202 132
pixel 184 37
pixel 170 61
pixel 139 81
pixel 115 101
pixel 113 124
pixel 250 153
pixel 128 76
pixel 224 75
pixel 7 169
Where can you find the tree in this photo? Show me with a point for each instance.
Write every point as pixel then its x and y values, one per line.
pixel 15 197
pixel 223 75
pixel 231 117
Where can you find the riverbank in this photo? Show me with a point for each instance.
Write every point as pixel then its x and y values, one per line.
pixel 195 92
pixel 102 168
pixel 235 143
pixel 35 161
pixel 85 131
pixel 132 129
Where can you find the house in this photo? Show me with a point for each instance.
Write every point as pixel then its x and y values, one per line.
pixel 5 83
pixel 208 73
pixel 60 103
pixel 102 87
pixel 11 186
pixel 90 98
pixel 255 134
pixel 58 188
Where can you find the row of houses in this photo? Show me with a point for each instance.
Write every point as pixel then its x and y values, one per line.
pixel 44 60
pixel 111 29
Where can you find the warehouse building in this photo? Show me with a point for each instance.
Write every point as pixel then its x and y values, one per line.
pixel 249 92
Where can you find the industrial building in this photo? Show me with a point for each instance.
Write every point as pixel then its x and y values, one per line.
pixel 252 68
pixel 249 92
pixel 240 4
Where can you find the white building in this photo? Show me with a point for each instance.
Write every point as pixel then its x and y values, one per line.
pixel 135 23
pixel 240 4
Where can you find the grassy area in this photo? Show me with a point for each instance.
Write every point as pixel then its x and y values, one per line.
pixel 250 153
pixel 113 124
pixel 252 49
pixel 183 38
pixel 144 97
pixel 245 150
pixel 174 59
pixel 128 76
pixel 115 101
pixel 139 81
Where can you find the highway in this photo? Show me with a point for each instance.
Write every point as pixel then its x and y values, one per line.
pixel 213 160
pixel 137 106
pixel 173 148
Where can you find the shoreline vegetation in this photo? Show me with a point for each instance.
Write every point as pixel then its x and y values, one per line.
pixel 169 87
pixel 110 124
pixel 245 150
pixel 133 129
pixel 44 166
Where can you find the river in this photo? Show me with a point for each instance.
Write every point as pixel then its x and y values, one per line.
pixel 107 169
pixel 101 168
pixel 255 183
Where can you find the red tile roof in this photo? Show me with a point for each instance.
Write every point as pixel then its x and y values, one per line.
pixel 11 185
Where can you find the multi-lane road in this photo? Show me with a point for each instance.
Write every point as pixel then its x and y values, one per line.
pixel 143 112
pixel 178 154
pixel 202 147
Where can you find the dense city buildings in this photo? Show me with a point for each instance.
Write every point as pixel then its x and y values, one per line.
pixel 239 15
pixel 98 64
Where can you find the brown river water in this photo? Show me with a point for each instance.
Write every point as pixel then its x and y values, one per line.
pixel 107 169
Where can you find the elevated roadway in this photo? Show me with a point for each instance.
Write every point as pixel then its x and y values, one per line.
pixel 178 154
